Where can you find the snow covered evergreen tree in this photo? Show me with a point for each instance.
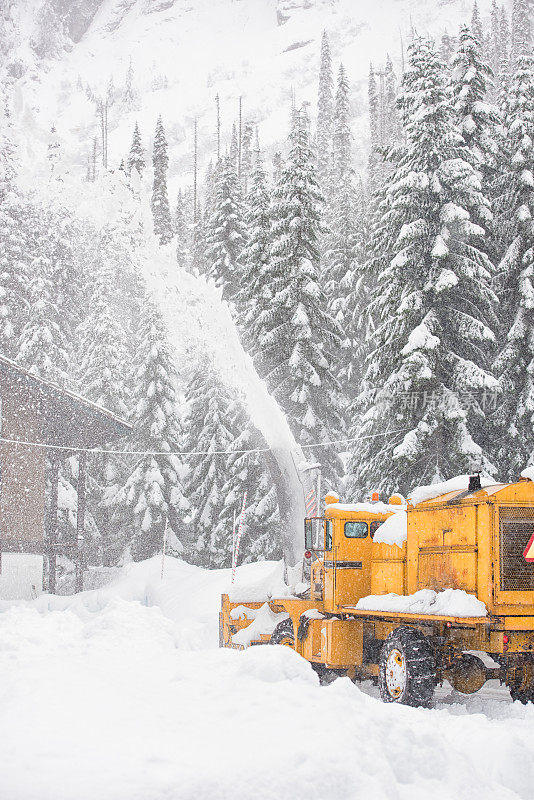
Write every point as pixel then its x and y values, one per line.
pixel 504 67
pixel 392 131
pixel 476 28
pixel 160 199
pixel 248 472
pixel 136 156
pixel 299 340
pixel 254 292
pixel 7 150
pixel 153 492
pixel 130 95
pixel 325 115
pixel 515 364
pixel 43 348
pixel 342 250
pixel 247 156
pixel 14 269
pixel 477 119
pixel 422 398
pixel 494 52
pixel 183 227
pixel 208 436
pixel 521 32
pixel 104 358
pixel 225 229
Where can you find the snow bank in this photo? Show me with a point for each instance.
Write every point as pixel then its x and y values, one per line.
pixel 265 621
pixel 394 530
pixel 187 595
pixel 449 603
pixel 107 699
pixel 260 584
pixel 457 484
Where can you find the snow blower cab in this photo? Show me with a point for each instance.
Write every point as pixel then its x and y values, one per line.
pixel 340 558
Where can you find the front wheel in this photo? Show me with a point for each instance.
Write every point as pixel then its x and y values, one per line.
pixel 283 634
pixel 407 668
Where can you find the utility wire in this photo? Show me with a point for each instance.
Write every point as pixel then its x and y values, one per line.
pixel 188 452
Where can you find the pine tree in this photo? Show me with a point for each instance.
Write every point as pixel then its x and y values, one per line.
pixel 247 156
pixel 448 47
pixel 374 120
pixel 208 437
pixel 54 149
pixel 515 364
pixel 341 249
pixel 104 358
pixel 14 230
pixel 234 146
pixel 43 349
pixel 130 97
pixel 392 130
pixel 434 307
pixel 477 119
pixel 247 472
pixel 504 68
pixel 136 156
pixel 160 199
pixel 299 339
pixel 494 51
pixel 225 230
pixel 153 492
pixel 476 28
pixel 325 112
pixel 7 149
pixel 521 32
pixel 183 227
pixel 254 292
pixel 278 166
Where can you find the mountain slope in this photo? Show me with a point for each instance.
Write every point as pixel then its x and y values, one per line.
pixel 185 52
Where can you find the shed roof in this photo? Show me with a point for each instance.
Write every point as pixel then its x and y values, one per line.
pixel 68 418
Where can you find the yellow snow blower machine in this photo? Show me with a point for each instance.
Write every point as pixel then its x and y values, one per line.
pixel 409 594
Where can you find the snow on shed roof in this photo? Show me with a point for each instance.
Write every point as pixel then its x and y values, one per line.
pixel 102 419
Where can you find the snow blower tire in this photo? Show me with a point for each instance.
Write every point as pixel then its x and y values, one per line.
pixel 283 634
pixel 407 668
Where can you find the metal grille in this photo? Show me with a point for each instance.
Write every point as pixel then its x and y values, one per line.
pixel 516 528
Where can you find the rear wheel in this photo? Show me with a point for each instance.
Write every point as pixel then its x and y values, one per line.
pixel 283 634
pixel 522 687
pixel 407 668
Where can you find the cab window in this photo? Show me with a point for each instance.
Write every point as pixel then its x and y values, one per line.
pixel 313 533
pixel 328 534
pixel 356 530
pixel 308 534
pixel 374 526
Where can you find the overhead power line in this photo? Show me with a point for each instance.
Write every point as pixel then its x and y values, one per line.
pixel 66 448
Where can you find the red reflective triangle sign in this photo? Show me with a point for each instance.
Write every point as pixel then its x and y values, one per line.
pixel 528 552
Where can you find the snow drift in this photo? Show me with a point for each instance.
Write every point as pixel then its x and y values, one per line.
pixel 120 693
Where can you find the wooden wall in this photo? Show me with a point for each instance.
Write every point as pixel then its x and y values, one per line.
pixel 22 485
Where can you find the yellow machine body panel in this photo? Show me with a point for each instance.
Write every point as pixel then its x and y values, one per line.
pixel 348 554
pixel 388 569
pixel 475 541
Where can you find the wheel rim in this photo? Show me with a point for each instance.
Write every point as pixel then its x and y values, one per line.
pixel 287 641
pixel 395 673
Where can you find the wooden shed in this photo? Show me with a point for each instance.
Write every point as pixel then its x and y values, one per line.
pixel 37 416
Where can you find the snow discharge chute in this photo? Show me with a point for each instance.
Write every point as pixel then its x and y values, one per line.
pixel 201 327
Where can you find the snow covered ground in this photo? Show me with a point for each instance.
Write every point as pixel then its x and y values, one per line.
pixel 121 693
